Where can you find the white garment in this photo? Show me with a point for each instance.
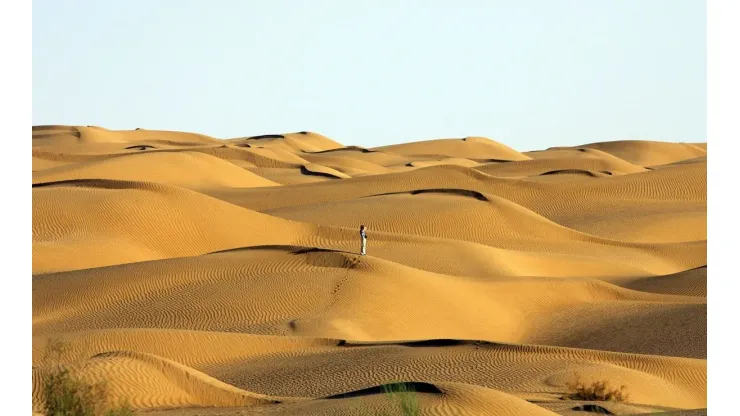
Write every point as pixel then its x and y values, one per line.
pixel 364 246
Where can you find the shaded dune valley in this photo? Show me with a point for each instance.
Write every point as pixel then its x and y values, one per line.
pixel 192 275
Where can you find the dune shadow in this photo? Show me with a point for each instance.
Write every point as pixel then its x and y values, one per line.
pixel 425 343
pixel 92 183
pixel 592 408
pixel 449 191
pixel 315 256
pixel 347 148
pixel 139 147
pixel 570 172
pixel 460 192
pixel 271 247
pixel 492 160
pixel 308 172
pixel 414 386
pixel 267 136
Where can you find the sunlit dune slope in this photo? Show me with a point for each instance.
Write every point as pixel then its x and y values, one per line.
pixel 191 170
pixel 91 139
pixel 91 223
pixel 646 153
pixel 468 147
pixel 333 294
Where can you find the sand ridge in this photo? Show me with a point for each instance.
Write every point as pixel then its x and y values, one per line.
pixel 196 275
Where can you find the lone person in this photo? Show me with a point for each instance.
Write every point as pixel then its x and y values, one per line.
pixel 364 240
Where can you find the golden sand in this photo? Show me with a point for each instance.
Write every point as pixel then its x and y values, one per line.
pixel 199 276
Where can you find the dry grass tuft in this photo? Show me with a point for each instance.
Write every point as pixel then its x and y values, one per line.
pixel 595 391
pixel 66 395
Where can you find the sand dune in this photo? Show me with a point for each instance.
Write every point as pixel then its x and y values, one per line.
pixel 468 147
pixel 347 164
pixel 195 275
pixel 331 300
pixel 302 141
pixel 691 282
pixel 96 140
pixel 699 159
pixel 190 170
pixel 318 170
pixel 647 153
pixel 138 221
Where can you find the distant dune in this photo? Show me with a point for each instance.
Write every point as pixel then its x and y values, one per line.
pixel 201 276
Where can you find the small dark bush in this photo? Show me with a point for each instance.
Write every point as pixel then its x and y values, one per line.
pixel 595 391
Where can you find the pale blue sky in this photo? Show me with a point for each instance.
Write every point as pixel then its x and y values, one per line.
pixel 530 74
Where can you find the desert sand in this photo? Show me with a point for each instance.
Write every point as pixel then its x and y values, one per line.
pixel 204 276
